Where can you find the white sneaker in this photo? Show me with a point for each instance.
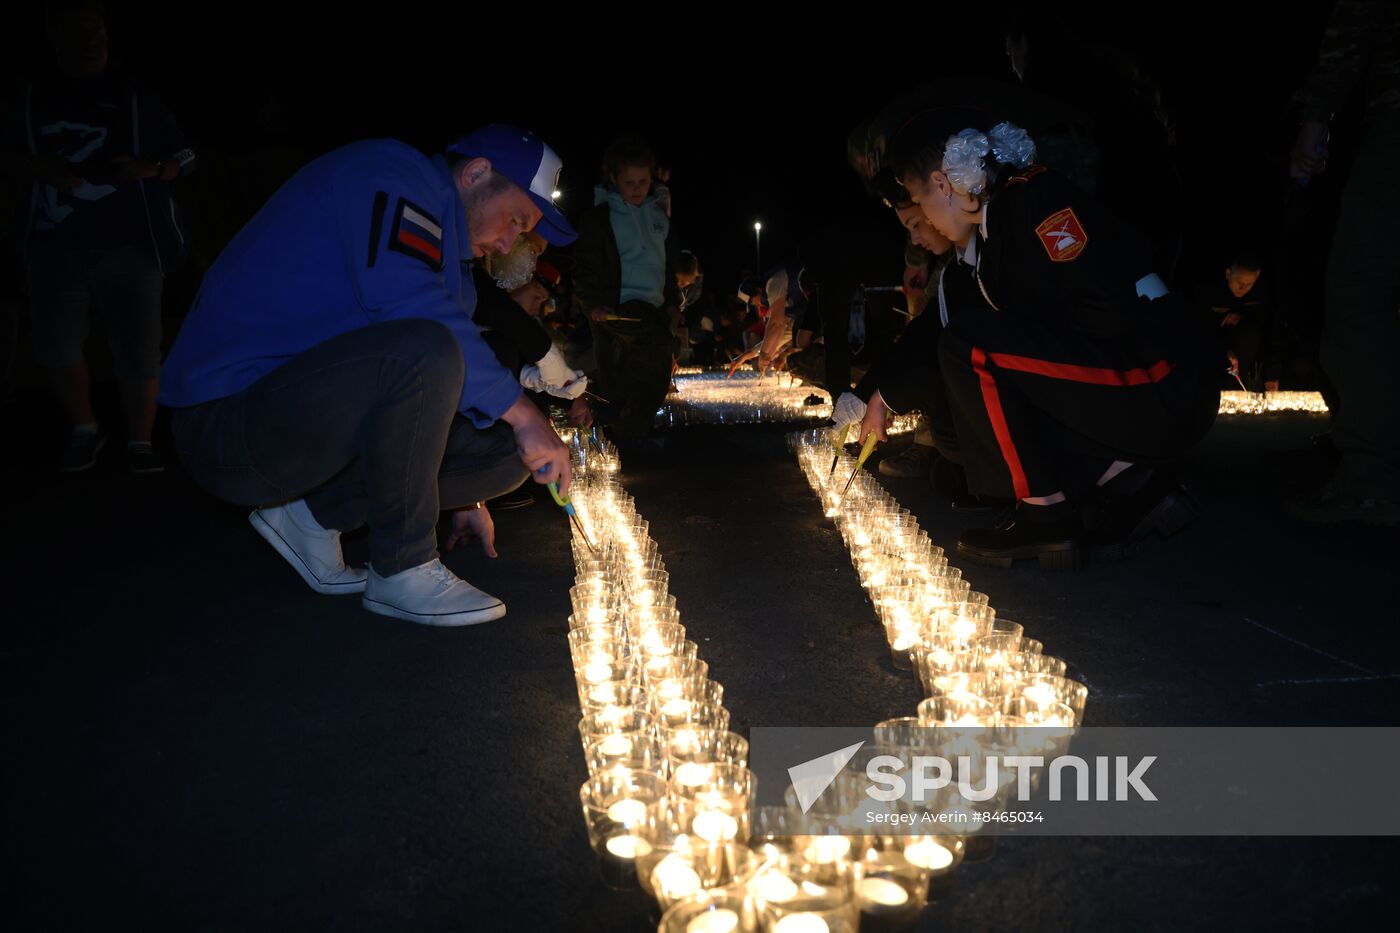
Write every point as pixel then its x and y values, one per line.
pixel 313 551
pixel 430 594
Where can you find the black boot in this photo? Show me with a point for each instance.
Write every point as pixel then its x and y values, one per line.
pixel 1049 533
pixel 1133 505
pixel 950 479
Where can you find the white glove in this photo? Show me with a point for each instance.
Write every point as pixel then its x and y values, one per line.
pixel 571 388
pixel 848 410
pixel 553 369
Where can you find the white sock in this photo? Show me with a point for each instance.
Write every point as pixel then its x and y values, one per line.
pixel 1118 466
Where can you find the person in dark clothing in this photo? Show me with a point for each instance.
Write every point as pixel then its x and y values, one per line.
pixel 1238 308
pixel 1081 375
pixel 624 283
pixel 1361 330
pixel 100 151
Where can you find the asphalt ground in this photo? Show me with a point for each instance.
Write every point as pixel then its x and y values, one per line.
pixel 196 741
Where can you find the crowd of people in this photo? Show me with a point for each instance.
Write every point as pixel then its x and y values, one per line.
pixel 401 358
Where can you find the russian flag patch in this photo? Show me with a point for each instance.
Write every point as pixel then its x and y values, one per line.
pixel 416 233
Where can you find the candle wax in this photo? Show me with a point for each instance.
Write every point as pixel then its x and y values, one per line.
pixel 883 892
pixel 674 878
pixel 713 826
pixel 692 774
pixel 616 745
pixel 928 854
pixel 628 847
pixel 627 812
pixel 801 923
pixel 827 849
pixel 597 673
pixel 774 887
pixel 722 920
pixel 676 709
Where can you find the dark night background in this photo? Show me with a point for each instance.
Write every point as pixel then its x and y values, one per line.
pixel 752 115
pixel 193 740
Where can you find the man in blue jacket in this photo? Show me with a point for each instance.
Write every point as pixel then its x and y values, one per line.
pixel 330 372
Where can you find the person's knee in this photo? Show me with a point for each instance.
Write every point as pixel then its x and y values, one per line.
pixel 429 346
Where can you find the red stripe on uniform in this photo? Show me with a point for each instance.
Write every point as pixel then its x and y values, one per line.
pixel 992 400
pixel 1090 374
pixel 420 244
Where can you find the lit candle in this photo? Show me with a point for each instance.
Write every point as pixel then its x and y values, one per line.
pixel 1040 694
pixel 928 854
pixel 693 774
pixel 676 709
pixel 612 714
pixel 600 693
pixel 882 892
pixel 801 923
pixel 596 673
pixel 674 878
pixel 714 826
pixel 628 847
pixel 627 812
pixel 722 920
pixel 670 689
pixel 616 745
pixel 774 887
pixel 827 849
pixel 597 615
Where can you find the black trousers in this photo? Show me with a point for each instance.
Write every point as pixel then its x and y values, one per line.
pixel 1039 410
pixel 634 364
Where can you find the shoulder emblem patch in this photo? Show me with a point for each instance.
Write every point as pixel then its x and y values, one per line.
pixel 416 233
pixel 1062 235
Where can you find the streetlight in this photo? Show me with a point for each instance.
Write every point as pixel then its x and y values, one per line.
pixel 757 249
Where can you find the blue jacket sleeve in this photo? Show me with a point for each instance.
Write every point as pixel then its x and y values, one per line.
pixel 392 284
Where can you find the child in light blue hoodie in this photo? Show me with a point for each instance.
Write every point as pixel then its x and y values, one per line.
pixel 624 282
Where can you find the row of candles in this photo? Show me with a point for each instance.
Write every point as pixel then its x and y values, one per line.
pixel 669 802
pixel 712 397
pixel 973 666
pixel 1237 402
pixel 748 397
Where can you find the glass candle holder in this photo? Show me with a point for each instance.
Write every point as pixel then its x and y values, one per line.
pixel 615 721
pixel 610 696
pixel 705 710
pixel 794 896
pixel 638 751
pixel 615 806
pixel 687 744
pixel 713 799
pixel 722 911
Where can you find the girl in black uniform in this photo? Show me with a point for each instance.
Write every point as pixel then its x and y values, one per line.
pixel 1078 375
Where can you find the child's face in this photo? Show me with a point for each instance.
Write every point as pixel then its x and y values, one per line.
pixel 685 279
pixel 633 183
pixel 1241 280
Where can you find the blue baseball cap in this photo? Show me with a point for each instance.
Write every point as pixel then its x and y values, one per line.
pixel 522 157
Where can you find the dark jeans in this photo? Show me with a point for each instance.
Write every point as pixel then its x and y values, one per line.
pixel 634 364
pixel 365 427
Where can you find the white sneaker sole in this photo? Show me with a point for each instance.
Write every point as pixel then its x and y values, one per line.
pixel 289 554
pixel 470 617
